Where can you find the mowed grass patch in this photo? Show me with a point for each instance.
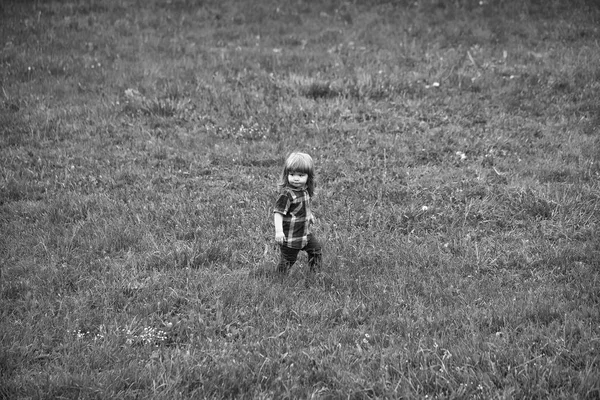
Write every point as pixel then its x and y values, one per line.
pixel 458 163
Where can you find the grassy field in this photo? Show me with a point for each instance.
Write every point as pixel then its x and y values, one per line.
pixel 458 155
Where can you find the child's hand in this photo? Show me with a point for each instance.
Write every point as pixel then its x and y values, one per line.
pixel 279 237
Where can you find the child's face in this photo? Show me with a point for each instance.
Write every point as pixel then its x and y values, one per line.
pixel 297 179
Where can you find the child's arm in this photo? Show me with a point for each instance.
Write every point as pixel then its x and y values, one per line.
pixel 279 236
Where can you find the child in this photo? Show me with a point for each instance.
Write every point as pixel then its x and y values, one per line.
pixel 292 213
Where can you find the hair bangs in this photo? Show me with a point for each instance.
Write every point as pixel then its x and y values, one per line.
pixel 302 163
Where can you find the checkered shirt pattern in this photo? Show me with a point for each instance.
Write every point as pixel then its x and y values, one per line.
pixel 294 205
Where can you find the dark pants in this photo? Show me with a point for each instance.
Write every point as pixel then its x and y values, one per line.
pixel 289 256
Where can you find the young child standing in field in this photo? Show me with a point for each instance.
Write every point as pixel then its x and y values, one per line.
pixel 293 215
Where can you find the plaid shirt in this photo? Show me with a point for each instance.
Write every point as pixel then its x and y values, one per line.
pixel 294 205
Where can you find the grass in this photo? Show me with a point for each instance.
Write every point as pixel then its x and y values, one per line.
pixel 458 157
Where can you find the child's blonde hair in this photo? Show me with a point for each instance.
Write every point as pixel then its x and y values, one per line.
pixel 303 163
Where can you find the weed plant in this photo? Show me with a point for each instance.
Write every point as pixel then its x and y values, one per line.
pixel 458 152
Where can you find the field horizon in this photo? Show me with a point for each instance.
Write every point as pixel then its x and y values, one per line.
pixel 457 146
